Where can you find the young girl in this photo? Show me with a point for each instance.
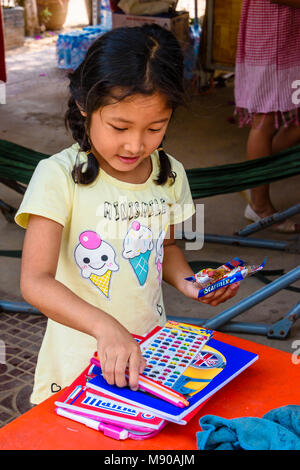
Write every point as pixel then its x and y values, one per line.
pixel 97 213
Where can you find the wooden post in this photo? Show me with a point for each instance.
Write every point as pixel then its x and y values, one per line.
pixel 32 25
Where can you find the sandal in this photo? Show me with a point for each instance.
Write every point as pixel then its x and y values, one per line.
pixel 286 226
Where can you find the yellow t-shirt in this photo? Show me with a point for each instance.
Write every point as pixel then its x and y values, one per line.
pixel 111 253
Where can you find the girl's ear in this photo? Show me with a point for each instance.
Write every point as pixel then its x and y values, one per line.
pixel 82 112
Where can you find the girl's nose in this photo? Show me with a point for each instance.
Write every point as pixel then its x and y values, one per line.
pixel 135 146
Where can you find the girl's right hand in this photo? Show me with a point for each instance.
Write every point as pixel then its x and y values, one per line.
pixel 118 351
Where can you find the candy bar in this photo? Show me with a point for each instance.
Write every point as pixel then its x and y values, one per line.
pixel 235 270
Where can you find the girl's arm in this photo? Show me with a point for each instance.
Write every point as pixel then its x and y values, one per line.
pixel 116 347
pixel 176 268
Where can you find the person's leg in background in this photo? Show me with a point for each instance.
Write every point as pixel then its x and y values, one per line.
pixel 285 138
pixel 264 139
pixel 259 144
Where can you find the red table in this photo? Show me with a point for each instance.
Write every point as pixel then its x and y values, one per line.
pixel 272 381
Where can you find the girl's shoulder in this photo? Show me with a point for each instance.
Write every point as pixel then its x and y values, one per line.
pixel 58 167
pixel 176 165
pixel 66 159
pixel 179 173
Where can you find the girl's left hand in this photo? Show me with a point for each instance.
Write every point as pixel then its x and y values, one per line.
pixel 214 298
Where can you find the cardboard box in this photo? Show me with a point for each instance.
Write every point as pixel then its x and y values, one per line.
pixel 179 24
pixel 226 23
pixel 14 27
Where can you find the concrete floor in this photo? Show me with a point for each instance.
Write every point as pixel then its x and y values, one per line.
pixel 199 136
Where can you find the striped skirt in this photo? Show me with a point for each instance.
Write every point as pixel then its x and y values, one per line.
pixel 267 70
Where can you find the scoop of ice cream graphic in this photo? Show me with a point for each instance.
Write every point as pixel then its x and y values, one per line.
pixel 96 260
pixel 137 247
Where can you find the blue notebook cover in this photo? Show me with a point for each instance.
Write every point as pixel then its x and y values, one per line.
pixel 215 365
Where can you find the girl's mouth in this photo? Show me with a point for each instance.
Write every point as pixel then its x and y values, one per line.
pixel 128 160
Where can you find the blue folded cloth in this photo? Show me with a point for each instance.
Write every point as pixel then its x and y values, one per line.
pixel 279 429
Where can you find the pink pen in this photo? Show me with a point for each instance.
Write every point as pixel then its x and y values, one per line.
pixel 150 386
pixel 108 429
pixel 173 401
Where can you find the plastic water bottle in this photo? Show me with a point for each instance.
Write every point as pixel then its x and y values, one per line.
pixel 105 15
pixel 192 51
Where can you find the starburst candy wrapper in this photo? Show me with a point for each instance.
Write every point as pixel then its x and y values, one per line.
pixel 209 279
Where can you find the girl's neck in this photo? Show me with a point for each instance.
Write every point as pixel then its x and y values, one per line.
pixel 139 175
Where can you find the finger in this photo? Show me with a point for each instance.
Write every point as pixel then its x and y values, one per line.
pixel 205 297
pixel 120 368
pixel 219 298
pixel 219 293
pixel 143 364
pixel 102 359
pixel 208 298
pixel 226 294
pixel 108 369
pixel 231 290
pixel 134 370
pixel 235 286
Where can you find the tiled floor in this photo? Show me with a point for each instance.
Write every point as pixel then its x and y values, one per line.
pixel 22 335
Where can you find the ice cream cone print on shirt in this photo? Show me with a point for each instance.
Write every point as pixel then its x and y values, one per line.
pixel 137 247
pixel 96 260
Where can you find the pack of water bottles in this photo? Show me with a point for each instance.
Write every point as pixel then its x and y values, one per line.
pixel 191 52
pixel 71 47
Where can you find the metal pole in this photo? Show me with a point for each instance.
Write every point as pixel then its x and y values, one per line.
pixel 282 328
pixel 250 242
pixel 270 220
pixel 209 33
pixel 18 307
pixel 196 13
pixel 291 246
pixel 237 327
pixel 254 299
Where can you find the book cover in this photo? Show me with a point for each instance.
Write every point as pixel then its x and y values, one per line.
pixel 79 399
pixel 170 351
pixel 216 364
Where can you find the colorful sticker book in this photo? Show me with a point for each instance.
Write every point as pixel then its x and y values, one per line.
pixel 211 367
pixel 114 417
pixel 171 350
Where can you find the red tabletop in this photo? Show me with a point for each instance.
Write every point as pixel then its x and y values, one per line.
pixel 267 384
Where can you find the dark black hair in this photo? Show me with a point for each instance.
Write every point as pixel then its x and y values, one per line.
pixel 136 60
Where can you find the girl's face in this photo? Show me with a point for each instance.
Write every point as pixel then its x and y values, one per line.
pixel 125 133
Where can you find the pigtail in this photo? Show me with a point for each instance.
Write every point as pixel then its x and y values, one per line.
pixel 165 172
pixel 81 173
pixel 76 123
pixel 86 174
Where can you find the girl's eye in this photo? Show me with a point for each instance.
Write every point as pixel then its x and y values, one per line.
pixel 119 128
